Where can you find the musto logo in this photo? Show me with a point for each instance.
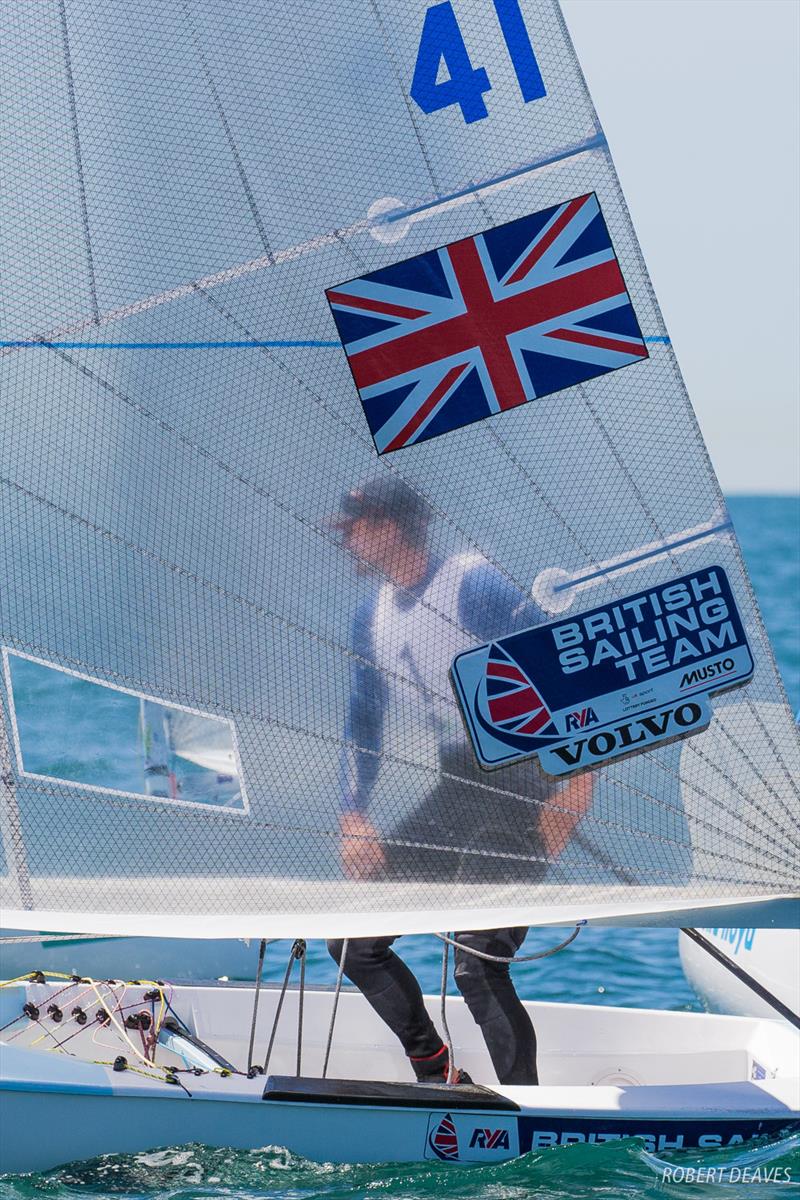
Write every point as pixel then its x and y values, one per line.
pixel 617 679
pixel 713 670
pixel 471 1137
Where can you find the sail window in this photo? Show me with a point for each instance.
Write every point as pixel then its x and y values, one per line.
pixel 89 734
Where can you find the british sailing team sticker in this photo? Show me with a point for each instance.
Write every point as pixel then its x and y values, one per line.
pixel 620 678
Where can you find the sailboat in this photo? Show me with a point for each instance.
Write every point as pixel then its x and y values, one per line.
pixel 739 957
pixel 265 271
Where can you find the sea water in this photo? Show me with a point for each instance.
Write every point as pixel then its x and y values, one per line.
pixel 636 967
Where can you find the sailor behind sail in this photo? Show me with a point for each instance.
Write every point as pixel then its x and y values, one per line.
pixel 404 638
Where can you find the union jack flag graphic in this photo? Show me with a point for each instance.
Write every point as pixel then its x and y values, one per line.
pixel 443 1139
pixel 487 323
pixel 514 704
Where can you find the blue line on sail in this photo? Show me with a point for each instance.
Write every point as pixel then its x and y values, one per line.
pixel 665 341
pixel 663 549
pixel 237 345
pixel 597 142
pixel 250 343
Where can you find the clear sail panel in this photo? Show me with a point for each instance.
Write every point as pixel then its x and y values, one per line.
pixel 362 554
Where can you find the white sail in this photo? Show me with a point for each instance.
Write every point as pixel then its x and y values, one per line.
pixel 200 196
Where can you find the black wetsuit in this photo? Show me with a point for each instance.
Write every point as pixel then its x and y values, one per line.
pixel 494 838
pixel 394 993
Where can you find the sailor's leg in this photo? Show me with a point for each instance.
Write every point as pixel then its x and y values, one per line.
pixel 492 999
pixel 392 990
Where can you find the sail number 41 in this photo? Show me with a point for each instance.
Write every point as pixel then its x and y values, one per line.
pixel 443 43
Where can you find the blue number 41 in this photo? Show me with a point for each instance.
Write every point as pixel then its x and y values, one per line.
pixel 442 42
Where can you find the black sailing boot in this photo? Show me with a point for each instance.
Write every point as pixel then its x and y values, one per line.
pixel 435 1068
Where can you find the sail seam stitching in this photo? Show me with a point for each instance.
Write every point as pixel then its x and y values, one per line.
pixel 234 149
pixel 73 110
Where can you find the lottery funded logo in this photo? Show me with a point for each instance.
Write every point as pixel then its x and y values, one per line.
pixel 620 678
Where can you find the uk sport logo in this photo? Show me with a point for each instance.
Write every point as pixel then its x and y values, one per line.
pixel 486 323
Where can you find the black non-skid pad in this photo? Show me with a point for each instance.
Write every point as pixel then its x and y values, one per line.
pixel 377 1092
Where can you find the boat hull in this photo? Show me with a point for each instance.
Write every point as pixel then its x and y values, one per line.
pixel 673 1079
pixel 44 1129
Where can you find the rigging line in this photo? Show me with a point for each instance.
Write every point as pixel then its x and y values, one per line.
pixel 300 1004
pixel 259 973
pixel 514 959
pixel 452 1074
pixel 663 549
pixel 289 967
pixel 336 994
pixel 739 972
pixel 234 149
pixel 73 112
pixel 596 142
pixel 111 986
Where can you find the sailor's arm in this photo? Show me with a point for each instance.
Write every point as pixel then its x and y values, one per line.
pixel 361 850
pixel 556 826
